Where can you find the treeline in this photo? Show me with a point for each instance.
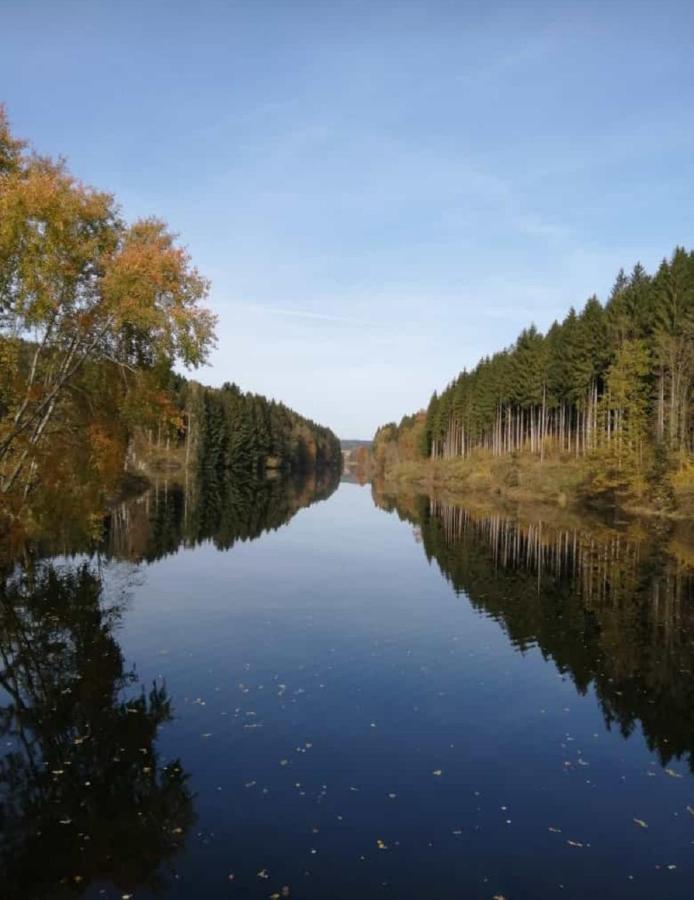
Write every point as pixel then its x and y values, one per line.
pixel 228 430
pixel 236 431
pixel 612 382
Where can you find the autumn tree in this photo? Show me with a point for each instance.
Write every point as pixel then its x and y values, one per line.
pixel 80 286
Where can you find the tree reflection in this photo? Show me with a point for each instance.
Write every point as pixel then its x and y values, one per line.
pixel 613 608
pixel 211 507
pixel 84 796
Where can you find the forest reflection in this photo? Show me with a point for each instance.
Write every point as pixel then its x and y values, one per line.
pixel 171 513
pixel 84 797
pixel 210 508
pixel 612 607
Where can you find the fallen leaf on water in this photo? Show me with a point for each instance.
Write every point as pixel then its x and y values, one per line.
pixel 641 823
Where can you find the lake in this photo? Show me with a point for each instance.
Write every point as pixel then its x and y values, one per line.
pixel 322 691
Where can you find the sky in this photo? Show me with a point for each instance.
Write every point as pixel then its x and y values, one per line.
pixel 380 192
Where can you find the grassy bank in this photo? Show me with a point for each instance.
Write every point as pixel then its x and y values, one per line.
pixel 524 479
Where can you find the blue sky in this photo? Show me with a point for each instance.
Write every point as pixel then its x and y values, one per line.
pixel 381 192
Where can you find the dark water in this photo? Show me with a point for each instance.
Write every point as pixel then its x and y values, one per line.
pixel 241 692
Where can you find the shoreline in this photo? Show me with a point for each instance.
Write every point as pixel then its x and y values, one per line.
pixel 554 483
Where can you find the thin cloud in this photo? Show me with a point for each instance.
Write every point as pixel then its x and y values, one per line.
pixel 301 314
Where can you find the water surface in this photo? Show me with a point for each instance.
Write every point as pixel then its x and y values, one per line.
pixel 271 695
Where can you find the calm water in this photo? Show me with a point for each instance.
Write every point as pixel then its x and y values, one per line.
pixel 268 696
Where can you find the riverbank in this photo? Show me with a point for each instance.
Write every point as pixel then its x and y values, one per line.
pixel 558 481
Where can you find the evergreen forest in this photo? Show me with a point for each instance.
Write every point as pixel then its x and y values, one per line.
pixel 611 385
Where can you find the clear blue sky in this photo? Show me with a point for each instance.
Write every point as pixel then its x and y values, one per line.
pixel 381 192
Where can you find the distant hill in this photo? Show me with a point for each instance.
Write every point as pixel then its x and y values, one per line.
pixel 353 445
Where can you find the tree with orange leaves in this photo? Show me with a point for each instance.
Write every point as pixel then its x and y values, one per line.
pixel 80 286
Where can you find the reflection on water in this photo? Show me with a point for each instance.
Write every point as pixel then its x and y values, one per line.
pixel 187 710
pixel 84 796
pixel 222 510
pixel 614 609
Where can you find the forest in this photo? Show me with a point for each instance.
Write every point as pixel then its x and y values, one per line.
pixel 97 318
pixel 610 386
pixel 225 429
